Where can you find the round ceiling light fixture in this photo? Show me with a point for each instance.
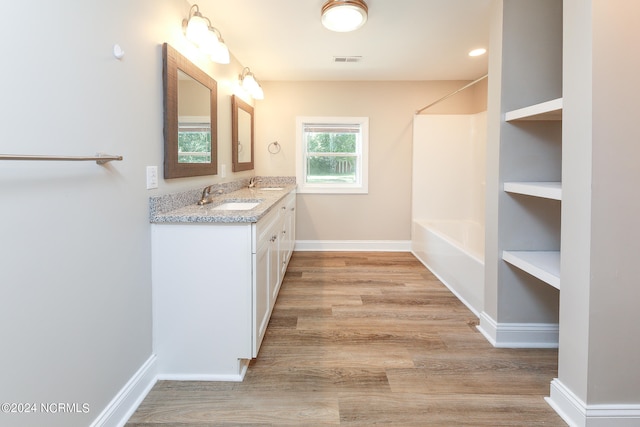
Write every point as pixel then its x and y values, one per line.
pixel 344 15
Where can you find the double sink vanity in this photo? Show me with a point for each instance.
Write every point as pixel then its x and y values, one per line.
pixel 217 270
pixel 219 254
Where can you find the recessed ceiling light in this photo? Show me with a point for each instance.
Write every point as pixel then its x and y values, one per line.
pixel 478 52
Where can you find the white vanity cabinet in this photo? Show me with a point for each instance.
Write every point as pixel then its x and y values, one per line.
pixel 214 287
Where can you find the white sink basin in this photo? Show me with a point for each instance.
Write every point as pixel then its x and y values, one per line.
pixel 236 206
pixel 270 188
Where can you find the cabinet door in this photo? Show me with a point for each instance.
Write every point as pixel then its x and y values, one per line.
pixel 289 231
pixel 274 264
pixel 261 304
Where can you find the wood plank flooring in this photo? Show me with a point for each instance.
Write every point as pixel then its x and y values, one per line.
pixel 366 338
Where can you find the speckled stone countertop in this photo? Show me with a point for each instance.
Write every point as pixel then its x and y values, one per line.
pixel 180 208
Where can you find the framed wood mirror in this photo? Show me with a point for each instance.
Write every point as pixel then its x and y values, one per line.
pixel 241 135
pixel 190 118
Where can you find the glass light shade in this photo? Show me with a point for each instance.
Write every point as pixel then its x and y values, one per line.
pixel 258 93
pixel 197 29
pixel 344 17
pixel 249 83
pixel 221 53
pixel 209 42
pixel 215 48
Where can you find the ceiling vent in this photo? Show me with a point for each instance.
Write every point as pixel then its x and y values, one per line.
pixel 347 58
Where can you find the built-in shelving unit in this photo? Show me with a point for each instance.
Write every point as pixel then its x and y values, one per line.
pixel 547 190
pixel 545 265
pixel 550 110
pixel 524 169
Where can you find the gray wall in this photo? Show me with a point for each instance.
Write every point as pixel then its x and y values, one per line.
pixel 75 270
pixel 599 343
pixel 525 69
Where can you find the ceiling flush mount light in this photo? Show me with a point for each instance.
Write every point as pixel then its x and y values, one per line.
pixel 344 15
pixel 250 84
pixel 200 32
pixel 478 52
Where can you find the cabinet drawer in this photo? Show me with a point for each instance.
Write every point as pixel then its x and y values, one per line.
pixel 263 227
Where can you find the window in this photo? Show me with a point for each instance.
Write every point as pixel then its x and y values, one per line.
pixel 194 140
pixel 332 154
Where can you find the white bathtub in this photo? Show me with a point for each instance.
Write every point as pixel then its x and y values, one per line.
pixel 454 252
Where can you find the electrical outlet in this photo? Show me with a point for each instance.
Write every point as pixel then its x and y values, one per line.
pixel 223 170
pixel 152 177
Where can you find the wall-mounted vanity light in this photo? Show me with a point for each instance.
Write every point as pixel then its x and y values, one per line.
pixel 344 15
pixel 200 32
pixel 250 84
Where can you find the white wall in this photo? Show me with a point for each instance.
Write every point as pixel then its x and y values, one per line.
pixel 449 167
pixel 75 270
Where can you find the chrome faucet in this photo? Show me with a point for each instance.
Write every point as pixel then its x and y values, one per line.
pixel 252 182
pixel 206 195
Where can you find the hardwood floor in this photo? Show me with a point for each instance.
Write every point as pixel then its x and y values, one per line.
pixel 364 338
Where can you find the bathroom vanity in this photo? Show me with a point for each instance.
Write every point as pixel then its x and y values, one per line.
pixel 216 276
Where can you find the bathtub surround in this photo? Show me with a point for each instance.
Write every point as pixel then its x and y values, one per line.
pixel 454 252
pixel 448 201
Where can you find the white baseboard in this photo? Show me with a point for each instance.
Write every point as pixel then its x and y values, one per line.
pixel 203 377
pixel 243 366
pixel 125 403
pixel 354 245
pixel 518 335
pixel 577 414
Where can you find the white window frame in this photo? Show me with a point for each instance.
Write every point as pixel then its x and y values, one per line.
pixel 361 186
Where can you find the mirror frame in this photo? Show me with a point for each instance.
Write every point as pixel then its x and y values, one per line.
pixel 173 61
pixel 239 104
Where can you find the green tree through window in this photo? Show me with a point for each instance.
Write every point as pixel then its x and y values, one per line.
pixel 194 143
pixel 332 153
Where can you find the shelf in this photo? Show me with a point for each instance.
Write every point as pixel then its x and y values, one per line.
pixel 550 110
pixel 545 265
pixel 547 190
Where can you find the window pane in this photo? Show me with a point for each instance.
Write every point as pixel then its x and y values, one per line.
pixel 194 144
pixel 331 140
pixel 331 169
pixel 332 155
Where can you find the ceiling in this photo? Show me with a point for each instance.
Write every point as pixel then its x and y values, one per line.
pixel 402 39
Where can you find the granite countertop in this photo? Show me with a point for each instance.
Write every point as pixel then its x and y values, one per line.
pixel 182 208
